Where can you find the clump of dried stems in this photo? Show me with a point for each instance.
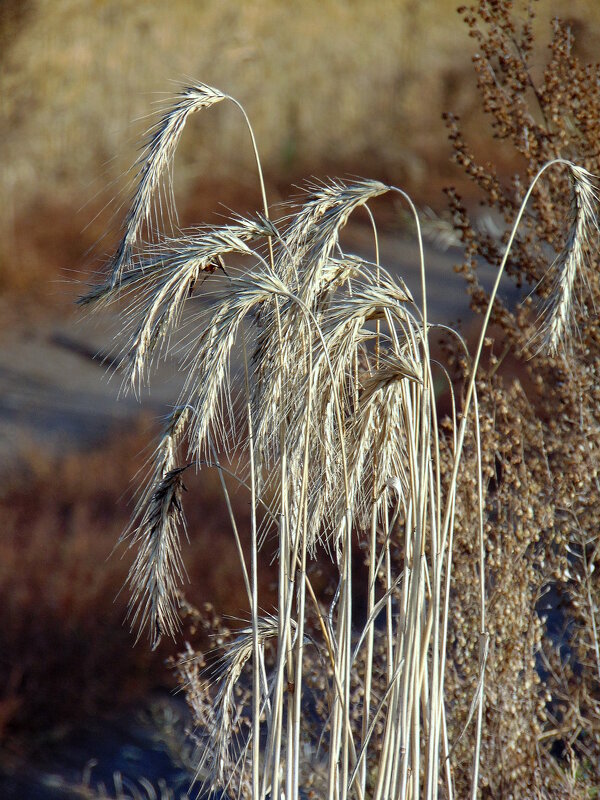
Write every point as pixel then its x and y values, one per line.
pixel 539 422
pixel 317 366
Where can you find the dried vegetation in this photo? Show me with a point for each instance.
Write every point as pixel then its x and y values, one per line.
pixel 62 608
pixel 475 665
pixel 540 434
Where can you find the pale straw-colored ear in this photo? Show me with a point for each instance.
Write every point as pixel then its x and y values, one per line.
pixel 220 748
pixel 153 165
pixel 571 266
pixel 314 232
pixel 158 567
pixel 154 530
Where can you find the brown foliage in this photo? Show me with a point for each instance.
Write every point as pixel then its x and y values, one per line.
pixel 541 435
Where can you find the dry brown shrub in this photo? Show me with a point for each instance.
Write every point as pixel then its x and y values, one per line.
pixel 541 436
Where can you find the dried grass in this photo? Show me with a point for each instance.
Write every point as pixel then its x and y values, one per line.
pixel 342 441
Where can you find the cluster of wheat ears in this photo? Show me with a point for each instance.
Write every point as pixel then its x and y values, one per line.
pixel 316 366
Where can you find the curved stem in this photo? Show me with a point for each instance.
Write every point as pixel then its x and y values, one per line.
pixel 260 172
pixel 486 319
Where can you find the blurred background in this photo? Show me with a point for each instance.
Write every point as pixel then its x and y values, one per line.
pixel 332 87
